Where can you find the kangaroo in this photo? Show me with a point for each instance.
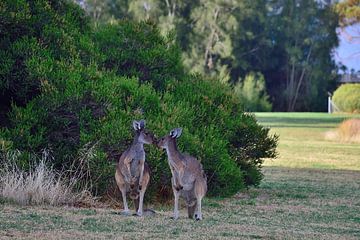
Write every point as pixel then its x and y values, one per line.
pixel 188 178
pixel 132 173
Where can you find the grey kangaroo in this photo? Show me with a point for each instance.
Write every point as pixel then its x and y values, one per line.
pixel 188 178
pixel 132 173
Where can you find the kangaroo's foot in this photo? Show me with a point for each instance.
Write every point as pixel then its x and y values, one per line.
pixel 138 214
pixel 198 216
pixel 125 212
pixel 176 215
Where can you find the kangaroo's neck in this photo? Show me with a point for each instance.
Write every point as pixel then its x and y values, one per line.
pixel 173 153
pixel 136 144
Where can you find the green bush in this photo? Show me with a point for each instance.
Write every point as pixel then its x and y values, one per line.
pixel 139 50
pixel 33 35
pixel 347 98
pixel 92 85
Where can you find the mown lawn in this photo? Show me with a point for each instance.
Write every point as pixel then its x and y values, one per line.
pixel 297 199
pixel 303 143
pixel 290 204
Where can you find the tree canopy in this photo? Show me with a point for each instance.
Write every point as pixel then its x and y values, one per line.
pixel 289 42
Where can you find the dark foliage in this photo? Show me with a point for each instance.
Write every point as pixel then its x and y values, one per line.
pixel 76 91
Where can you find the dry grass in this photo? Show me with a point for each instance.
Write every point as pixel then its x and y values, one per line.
pixel 42 185
pixel 39 186
pixel 348 131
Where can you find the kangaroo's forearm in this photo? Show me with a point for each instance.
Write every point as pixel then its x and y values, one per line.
pixel 126 173
pixel 180 176
pixel 176 176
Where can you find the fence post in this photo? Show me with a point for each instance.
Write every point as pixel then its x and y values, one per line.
pixel 329 102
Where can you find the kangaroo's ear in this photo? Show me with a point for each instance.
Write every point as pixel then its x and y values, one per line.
pixel 138 125
pixel 175 133
pixel 142 124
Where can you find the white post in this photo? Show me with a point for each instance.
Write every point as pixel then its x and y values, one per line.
pixel 329 104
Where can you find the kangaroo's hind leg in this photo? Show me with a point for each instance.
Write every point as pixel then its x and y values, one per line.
pixel 143 186
pixel 122 187
pixel 200 191
pixel 176 192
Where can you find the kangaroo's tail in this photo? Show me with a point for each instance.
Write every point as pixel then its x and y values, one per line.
pixel 149 212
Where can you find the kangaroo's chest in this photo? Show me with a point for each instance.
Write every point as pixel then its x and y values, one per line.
pixel 134 165
pixel 176 164
pixel 182 174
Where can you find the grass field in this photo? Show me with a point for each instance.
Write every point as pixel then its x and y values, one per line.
pixel 303 144
pixel 300 198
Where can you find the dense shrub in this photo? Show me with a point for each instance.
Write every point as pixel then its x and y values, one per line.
pixel 87 99
pixel 34 34
pixel 139 50
pixel 347 97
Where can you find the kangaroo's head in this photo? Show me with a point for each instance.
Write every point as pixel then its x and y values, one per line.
pixel 170 138
pixel 143 135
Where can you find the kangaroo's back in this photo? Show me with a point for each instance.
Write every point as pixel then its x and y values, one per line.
pixel 194 166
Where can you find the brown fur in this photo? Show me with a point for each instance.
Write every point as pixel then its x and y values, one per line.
pixel 188 178
pixel 132 173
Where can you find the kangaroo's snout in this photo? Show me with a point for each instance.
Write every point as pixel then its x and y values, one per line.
pixel 155 140
pixel 157 143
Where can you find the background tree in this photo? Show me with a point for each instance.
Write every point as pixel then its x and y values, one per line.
pixel 349 12
pixel 303 40
pixel 105 10
pixel 349 16
pixel 252 93
pixel 289 42
pixel 210 45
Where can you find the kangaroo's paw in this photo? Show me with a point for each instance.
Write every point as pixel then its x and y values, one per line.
pixel 179 187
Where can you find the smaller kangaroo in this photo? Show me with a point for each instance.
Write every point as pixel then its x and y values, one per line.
pixel 188 178
pixel 132 173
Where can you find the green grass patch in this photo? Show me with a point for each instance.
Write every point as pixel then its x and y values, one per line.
pixel 289 204
pixel 302 119
pixel 303 142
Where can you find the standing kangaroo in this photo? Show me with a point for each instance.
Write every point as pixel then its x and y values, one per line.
pixel 188 178
pixel 132 173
